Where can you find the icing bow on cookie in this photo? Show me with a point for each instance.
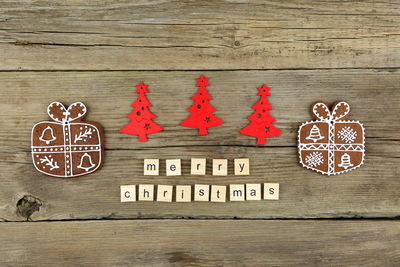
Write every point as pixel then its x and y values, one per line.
pixel 340 111
pixel 58 112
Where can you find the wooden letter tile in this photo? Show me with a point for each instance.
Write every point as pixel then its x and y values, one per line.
pixel 146 192
pixel 237 192
pixel 271 191
pixel 151 167
pixel 220 167
pixel 253 192
pixel 173 167
pixel 242 167
pixel 218 193
pixel 198 166
pixel 164 193
pixel 128 193
pixel 201 192
pixel 183 193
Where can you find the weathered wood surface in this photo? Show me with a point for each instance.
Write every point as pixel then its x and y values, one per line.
pixel 371 191
pixel 201 243
pixel 165 35
pixel 97 51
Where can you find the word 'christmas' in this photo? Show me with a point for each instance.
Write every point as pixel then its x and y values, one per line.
pixel 201 192
pixel 198 167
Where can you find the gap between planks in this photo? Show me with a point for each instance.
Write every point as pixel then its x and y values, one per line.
pixel 188 218
pixel 394 68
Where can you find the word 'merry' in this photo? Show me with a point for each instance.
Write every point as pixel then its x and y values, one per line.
pixel 198 167
pixel 201 192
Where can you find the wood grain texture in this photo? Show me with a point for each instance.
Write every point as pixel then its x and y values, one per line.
pixel 165 35
pixel 371 191
pixel 202 243
pixel 96 51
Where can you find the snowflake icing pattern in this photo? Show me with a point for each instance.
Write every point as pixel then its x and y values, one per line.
pixel 347 134
pixel 314 159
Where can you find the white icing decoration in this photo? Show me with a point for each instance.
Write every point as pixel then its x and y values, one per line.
pixel 345 161
pixel 314 159
pixel 335 116
pixel 91 164
pixel 347 134
pixel 49 162
pixel 81 135
pixel 50 132
pixel 315 134
pixel 317 114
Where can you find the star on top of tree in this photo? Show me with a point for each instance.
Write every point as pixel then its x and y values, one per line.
pixel 202 81
pixel 141 88
pixel 264 90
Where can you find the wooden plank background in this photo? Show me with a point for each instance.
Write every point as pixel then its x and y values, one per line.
pixel 96 52
pixel 202 243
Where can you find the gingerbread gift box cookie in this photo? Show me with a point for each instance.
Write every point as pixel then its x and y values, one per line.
pixel 331 144
pixel 67 146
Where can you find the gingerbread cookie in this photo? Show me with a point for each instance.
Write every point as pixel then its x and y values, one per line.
pixel 67 147
pixel 331 145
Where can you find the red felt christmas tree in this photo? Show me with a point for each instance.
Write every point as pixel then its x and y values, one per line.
pixel 141 123
pixel 201 117
pixel 261 120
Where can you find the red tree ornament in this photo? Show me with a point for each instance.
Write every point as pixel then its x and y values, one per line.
pixel 202 116
pixel 261 120
pixel 141 123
